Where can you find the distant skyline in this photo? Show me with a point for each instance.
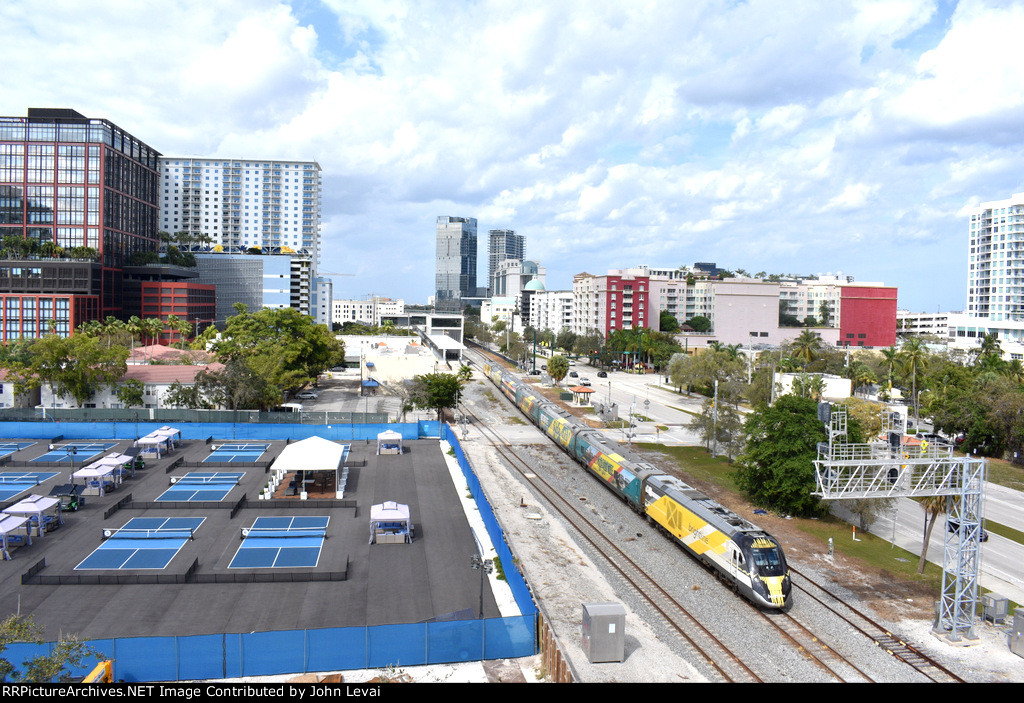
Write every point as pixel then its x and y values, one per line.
pixel 801 137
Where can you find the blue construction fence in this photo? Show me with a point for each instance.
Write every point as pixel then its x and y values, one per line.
pixel 234 655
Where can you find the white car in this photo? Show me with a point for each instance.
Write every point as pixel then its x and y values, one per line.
pixel 308 395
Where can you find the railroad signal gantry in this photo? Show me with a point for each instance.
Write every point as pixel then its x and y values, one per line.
pixel 898 467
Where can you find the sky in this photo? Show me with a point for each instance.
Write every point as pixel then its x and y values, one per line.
pixel 803 137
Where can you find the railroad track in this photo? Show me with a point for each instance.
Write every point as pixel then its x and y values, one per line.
pixel 728 666
pixel 893 644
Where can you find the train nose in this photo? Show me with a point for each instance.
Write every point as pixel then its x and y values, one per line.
pixel 774 587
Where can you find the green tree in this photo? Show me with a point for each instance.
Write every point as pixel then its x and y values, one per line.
pixel 565 339
pixel 776 469
pixel 283 346
pixel 53 667
pixel 75 367
pixel 182 395
pixel 558 367
pixel 129 392
pixel 724 431
pixel 699 323
pixel 667 322
pixel 436 391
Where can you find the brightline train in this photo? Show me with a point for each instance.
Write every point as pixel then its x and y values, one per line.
pixel 740 553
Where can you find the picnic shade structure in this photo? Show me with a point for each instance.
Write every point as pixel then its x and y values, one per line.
pixel 390 442
pixel 96 476
pixel 581 394
pixel 390 524
pixel 35 509
pixel 311 455
pixel 9 525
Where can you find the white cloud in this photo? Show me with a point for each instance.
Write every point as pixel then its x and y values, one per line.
pixel 689 130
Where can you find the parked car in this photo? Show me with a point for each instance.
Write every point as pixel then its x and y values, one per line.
pixel 584 381
pixel 573 374
pixel 602 374
pixel 308 395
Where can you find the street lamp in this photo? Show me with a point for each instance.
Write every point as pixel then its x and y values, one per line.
pixel 484 566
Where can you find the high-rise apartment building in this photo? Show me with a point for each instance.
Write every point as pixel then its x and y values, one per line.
pixel 456 262
pixel 78 197
pixel 240 204
pixel 995 278
pixel 503 244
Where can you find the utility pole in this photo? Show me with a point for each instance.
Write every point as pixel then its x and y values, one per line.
pixel 714 423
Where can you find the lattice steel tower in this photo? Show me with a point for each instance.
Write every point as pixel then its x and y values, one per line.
pixel 896 469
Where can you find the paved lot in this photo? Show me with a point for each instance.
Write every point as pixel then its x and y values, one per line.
pixel 386 584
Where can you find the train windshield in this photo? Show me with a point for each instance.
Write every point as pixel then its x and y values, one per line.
pixel 769 561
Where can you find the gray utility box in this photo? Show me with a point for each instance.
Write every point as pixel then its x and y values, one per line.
pixel 994 607
pixel 1016 637
pixel 604 636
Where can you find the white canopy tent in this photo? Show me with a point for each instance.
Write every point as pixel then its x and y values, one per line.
pixel 42 512
pixel 389 442
pixel 9 525
pixel 122 463
pixel 311 455
pixel 155 443
pixel 173 434
pixel 390 523
pixel 98 478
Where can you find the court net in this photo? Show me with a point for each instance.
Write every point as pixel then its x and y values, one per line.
pixel 153 533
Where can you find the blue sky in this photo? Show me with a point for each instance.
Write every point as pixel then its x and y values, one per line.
pixel 799 137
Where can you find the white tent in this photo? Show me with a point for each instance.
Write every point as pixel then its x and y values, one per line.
pixel 35 508
pixel 9 524
pixel 389 442
pixel 311 455
pixel 390 523
pixel 154 443
pixel 173 434
pixel 122 464
pixel 98 478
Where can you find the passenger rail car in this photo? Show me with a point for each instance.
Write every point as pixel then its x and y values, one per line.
pixel 740 553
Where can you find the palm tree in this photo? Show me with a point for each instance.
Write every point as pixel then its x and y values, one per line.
pixel 807 346
pixel 914 358
pixel 989 347
pixel 862 376
pixel 933 506
pixel 890 358
pixel 1014 370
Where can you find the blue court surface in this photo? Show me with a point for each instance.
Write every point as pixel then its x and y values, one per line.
pixel 11 447
pixel 143 543
pixel 237 452
pixel 201 485
pixel 74 452
pixel 14 482
pixel 281 542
